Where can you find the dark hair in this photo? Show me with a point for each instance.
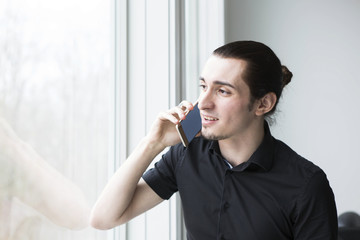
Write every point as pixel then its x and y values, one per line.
pixel 264 72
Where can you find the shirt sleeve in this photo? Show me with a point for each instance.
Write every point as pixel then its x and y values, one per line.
pixel 161 178
pixel 316 211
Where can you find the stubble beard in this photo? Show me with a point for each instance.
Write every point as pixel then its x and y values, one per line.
pixel 212 136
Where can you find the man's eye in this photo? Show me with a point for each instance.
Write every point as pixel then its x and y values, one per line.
pixel 202 86
pixel 224 92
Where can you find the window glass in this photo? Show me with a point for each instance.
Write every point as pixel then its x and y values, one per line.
pixel 55 108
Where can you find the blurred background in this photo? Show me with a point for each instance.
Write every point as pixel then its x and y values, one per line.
pixel 55 85
pixel 82 81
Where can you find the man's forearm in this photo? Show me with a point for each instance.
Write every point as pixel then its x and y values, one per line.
pixel 119 192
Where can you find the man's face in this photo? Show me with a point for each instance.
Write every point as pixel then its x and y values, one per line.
pixel 224 102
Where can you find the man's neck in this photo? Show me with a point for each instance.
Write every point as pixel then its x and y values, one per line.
pixel 238 150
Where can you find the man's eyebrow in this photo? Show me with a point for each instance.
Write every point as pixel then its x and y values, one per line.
pixel 218 82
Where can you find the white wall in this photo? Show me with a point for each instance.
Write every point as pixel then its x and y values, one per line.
pixel 319 112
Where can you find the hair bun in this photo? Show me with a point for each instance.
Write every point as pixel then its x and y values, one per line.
pixel 286 75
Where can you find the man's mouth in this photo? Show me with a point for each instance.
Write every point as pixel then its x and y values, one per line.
pixel 208 118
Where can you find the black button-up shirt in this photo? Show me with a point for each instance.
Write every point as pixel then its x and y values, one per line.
pixel 276 194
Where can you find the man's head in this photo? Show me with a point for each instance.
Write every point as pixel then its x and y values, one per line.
pixel 264 72
pixel 241 83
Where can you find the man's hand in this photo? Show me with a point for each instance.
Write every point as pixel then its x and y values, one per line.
pixel 163 130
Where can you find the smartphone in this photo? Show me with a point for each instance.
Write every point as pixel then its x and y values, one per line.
pixel 190 126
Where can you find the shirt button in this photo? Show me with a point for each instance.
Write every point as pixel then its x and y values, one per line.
pixel 226 205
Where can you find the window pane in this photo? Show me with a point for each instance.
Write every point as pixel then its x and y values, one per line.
pixel 55 108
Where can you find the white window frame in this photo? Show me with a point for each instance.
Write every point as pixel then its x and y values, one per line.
pixel 195 29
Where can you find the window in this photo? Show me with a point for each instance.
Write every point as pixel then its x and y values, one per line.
pixel 55 96
pixel 81 81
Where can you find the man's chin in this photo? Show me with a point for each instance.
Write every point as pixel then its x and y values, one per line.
pixel 211 136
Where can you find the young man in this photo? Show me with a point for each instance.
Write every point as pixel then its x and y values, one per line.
pixel 235 181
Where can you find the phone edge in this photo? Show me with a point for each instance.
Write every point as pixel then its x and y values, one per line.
pixel 182 135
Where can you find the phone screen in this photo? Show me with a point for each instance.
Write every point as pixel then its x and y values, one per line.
pixel 190 126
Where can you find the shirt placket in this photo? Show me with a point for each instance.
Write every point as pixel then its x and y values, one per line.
pixel 225 206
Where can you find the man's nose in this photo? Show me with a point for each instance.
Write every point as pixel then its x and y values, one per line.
pixel 205 100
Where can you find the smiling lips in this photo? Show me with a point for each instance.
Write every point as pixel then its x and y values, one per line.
pixel 208 121
pixel 208 118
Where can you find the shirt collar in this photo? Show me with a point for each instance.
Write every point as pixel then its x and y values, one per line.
pixel 262 157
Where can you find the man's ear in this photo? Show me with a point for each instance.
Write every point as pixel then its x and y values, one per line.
pixel 266 104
